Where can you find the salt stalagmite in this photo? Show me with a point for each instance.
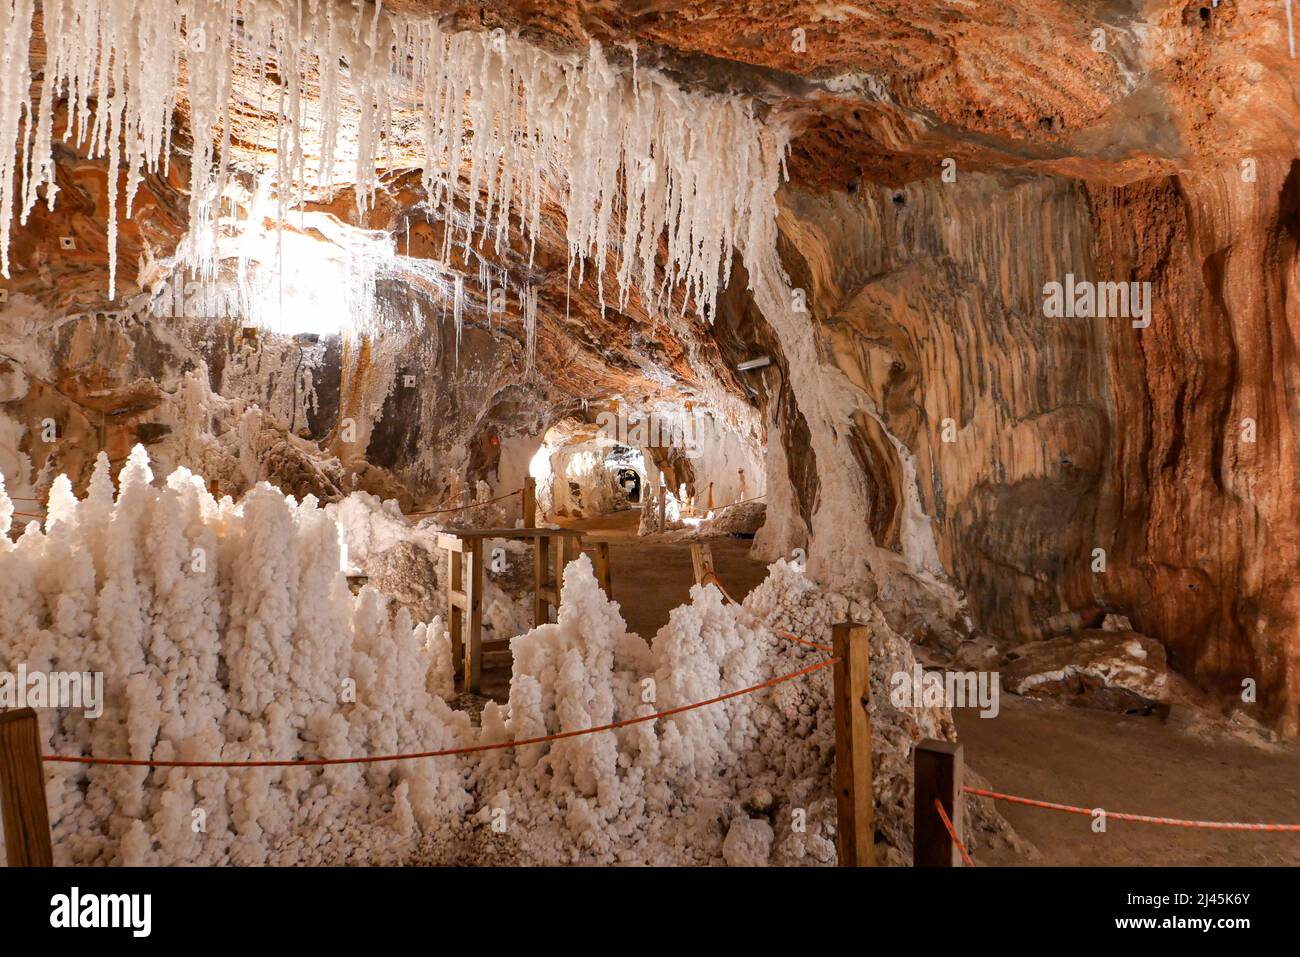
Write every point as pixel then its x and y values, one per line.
pixel 226 631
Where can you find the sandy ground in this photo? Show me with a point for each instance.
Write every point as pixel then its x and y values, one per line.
pixel 1043 750
pixel 1140 765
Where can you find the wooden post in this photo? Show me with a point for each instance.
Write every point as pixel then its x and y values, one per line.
pixel 855 806
pixel 701 561
pixel 709 506
pixel 474 612
pixel 22 791
pixel 561 558
pixel 530 502
pixel 602 569
pixel 541 579
pixel 455 614
pixel 663 508
pixel 937 772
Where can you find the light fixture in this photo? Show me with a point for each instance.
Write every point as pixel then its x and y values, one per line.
pixel 758 363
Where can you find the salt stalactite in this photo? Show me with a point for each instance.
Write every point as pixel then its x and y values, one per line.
pixel 529 309
pixel 634 159
pixel 458 310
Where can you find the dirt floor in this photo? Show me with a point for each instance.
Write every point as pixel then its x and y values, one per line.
pixel 1139 765
pixel 1044 750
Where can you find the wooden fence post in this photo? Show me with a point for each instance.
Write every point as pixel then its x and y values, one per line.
pixel 530 502
pixel 541 579
pixel 937 774
pixel 701 561
pixel 855 805
pixel 474 614
pixel 602 569
pixel 455 602
pixel 22 791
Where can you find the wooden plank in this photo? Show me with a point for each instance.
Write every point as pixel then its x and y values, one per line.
pixel 530 502
pixel 457 599
pixel 455 618
pixel 561 557
pixel 541 580
pixel 701 561
pixel 602 569
pixel 474 632
pixel 522 534
pixel 937 773
pixel 572 548
pixel 22 791
pixel 854 804
pixel 450 542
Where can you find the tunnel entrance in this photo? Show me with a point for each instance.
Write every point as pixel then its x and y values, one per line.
pixel 582 473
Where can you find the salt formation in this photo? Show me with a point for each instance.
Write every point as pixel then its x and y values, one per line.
pixel 406 564
pixel 675 791
pixel 646 161
pixel 226 631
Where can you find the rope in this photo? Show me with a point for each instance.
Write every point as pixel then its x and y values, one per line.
pixel 743 501
pixel 711 579
pixel 461 508
pixel 952 832
pixel 501 745
pixel 1138 818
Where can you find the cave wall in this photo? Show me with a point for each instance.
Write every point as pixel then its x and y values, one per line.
pixel 1204 473
pixel 961 435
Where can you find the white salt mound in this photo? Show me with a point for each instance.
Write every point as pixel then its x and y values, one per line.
pixel 261 651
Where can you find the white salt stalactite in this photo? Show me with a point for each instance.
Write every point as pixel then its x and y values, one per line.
pixel 458 311
pixel 529 308
pixel 634 159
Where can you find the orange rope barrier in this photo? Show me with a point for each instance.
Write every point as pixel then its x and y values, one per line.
pixel 1138 818
pixel 711 579
pixel 375 759
pixel 952 833
pixel 461 508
